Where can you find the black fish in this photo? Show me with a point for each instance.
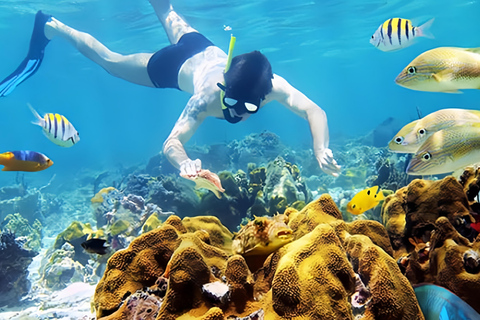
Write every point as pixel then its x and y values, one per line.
pixel 97 246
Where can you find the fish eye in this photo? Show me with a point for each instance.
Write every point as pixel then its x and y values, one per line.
pixel 422 131
pixel 399 140
pixel 353 207
pixel 411 70
pixel 426 156
pixel 373 36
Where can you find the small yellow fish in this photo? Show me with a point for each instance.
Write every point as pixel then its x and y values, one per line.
pixel 411 136
pixel 208 180
pixel 398 33
pixel 365 200
pixel 444 69
pixel 447 150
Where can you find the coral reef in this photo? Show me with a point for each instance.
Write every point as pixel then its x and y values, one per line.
pixel 62 268
pixel 21 228
pixel 331 270
pixel 430 227
pixel 14 261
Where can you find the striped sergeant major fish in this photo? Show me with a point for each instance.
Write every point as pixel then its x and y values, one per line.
pixel 24 160
pixel 57 128
pixel 397 33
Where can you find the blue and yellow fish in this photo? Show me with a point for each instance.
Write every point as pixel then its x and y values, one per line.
pixel 57 128
pixel 365 200
pixel 24 160
pixel 398 33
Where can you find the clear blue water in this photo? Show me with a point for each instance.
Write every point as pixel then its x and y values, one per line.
pixel 320 47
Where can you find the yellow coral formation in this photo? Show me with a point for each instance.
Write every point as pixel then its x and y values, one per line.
pixel 75 231
pixel 135 267
pixel 322 210
pixel 315 276
pixel 151 223
pixel 219 235
pixel 455 262
pixel 98 198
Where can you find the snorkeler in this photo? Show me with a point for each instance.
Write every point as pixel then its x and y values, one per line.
pixel 221 86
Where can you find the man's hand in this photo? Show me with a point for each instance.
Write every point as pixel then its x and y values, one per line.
pixel 327 163
pixel 190 168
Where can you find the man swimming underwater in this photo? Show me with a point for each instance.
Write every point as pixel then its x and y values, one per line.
pixel 221 87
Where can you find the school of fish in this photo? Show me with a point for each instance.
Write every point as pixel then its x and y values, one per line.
pixel 447 140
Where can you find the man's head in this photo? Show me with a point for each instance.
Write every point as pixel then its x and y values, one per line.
pixel 247 82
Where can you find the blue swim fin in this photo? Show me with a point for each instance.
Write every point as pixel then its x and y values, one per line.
pixel 32 62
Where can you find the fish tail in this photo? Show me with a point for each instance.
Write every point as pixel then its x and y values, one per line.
pixel 424 30
pixel 35 113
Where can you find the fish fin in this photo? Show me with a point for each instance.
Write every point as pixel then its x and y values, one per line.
pixel 423 30
pixel 452 91
pixel 444 314
pixel 474 50
pixel 436 77
pixel 35 113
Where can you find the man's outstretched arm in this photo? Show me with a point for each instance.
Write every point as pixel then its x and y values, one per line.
pixel 297 102
pixel 173 148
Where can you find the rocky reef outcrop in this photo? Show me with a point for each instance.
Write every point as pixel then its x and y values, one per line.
pixel 14 261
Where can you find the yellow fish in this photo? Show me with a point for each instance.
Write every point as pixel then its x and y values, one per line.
pixel 411 136
pixel 208 180
pixel 446 151
pixel 444 69
pixel 365 200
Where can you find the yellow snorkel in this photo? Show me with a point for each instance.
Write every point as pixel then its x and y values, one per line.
pixel 230 52
pixel 225 110
pixel 227 66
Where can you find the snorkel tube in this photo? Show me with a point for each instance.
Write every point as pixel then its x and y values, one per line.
pixel 226 112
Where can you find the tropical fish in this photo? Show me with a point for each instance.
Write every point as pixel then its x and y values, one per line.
pixel 447 150
pixel 444 69
pixel 57 128
pixel 98 246
pixel 208 180
pixel 365 200
pixel 412 135
pixel 24 160
pixel 262 236
pixel 398 33
pixel 438 303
